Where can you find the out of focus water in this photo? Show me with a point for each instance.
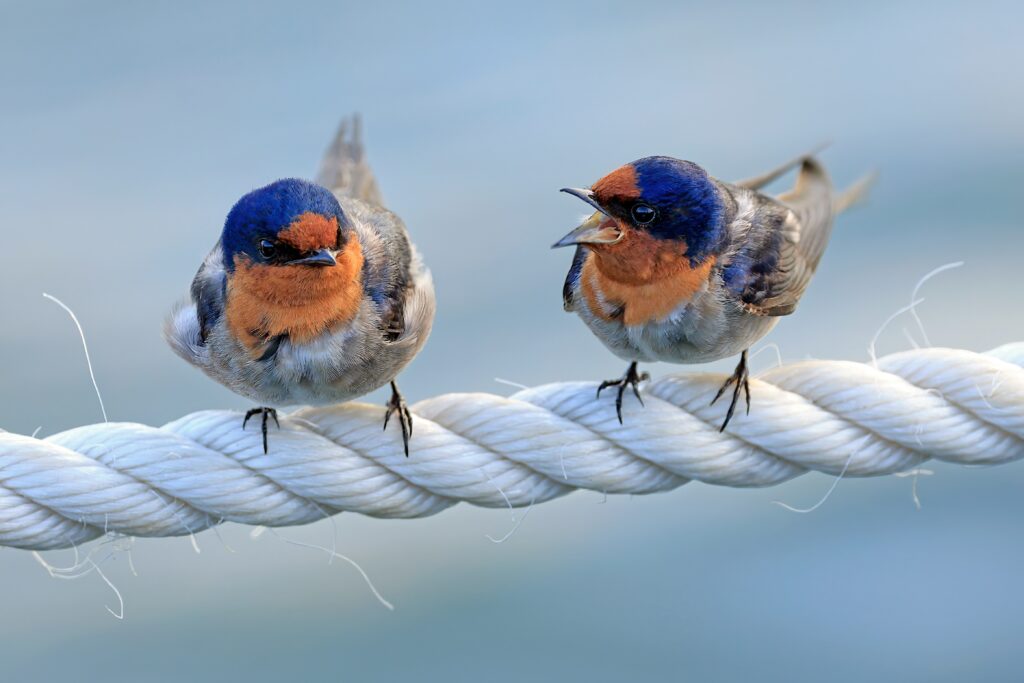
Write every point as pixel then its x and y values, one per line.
pixel 130 129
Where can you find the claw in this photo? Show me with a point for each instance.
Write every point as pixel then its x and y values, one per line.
pixel 741 378
pixel 721 390
pixel 264 412
pixel 746 390
pixel 397 404
pixel 631 379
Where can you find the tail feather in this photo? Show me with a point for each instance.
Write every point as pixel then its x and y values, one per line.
pixel 812 188
pixel 854 194
pixel 344 169
pixel 759 181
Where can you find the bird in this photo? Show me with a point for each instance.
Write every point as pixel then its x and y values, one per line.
pixel 313 293
pixel 675 265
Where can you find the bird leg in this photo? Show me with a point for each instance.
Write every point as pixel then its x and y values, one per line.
pixel 265 412
pixel 741 378
pixel 397 405
pixel 632 378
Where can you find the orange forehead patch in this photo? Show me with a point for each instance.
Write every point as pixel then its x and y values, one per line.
pixel 620 184
pixel 311 231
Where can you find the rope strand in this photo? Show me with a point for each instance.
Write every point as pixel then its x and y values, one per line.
pixel 541 443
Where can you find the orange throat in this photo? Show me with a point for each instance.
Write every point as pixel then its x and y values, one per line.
pixel 640 279
pixel 302 302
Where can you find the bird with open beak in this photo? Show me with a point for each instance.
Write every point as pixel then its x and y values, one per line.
pixel 674 265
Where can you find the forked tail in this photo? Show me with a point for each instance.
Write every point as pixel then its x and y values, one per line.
pixel 344 169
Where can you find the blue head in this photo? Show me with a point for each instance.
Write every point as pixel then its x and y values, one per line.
pixel 288 222
pixel 666 198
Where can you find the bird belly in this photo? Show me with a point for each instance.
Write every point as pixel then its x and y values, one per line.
pixel 705 328
pixel 333 367
pixel 695 337
pixel 338 365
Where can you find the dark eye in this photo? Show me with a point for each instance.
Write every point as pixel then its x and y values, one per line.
pixel 643 214
pixel 267 248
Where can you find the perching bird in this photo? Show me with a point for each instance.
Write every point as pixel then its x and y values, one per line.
pixel 677 266
pixel 312 294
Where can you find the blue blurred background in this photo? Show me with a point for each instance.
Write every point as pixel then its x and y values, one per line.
pixel 128 131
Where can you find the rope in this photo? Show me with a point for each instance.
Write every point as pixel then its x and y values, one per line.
pixel 541 443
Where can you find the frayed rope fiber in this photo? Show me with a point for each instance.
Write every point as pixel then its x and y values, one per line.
pixel 202 469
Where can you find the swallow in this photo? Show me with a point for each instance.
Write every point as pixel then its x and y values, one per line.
pixel 674 265
pixel 313 294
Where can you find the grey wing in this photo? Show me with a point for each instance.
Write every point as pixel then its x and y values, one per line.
pixel 188 326
pixel 572 279
pixel 344 170
pixel 388 260
pixel 782 245
pixel 208 289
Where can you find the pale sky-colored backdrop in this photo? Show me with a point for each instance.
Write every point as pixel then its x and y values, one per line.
pixel 129 129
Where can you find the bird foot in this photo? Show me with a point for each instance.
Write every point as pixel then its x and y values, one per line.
pixel 631 379
pixel 741 378
pixel 265 412
pixel 397 405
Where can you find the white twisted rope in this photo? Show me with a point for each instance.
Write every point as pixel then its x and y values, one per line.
pixel 541 443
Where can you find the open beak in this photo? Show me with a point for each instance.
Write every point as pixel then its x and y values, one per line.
pixel 599 228
pixel 322 257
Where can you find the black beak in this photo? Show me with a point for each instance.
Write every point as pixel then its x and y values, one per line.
pixel 585 195
pixel 323 257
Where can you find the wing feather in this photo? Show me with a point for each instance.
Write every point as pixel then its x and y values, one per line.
pixel 572 279
pixel 208 291
pixel 782 244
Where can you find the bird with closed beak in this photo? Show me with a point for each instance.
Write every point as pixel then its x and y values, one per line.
pixel 674 265
pixel 312 294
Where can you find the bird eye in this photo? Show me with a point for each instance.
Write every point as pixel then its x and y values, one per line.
pixel 643 214
pixel 267 248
